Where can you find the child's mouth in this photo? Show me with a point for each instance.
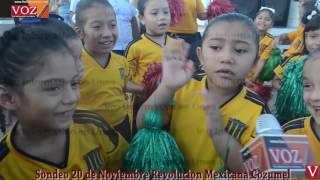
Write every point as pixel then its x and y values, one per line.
pixel 162 25
pixel 107 43
pixel 225 72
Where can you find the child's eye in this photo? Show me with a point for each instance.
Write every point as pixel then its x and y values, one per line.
pixel 306 86
pixel 96 27
pixel 216 48
pixel 166 12
pixel 154 13
pixel 75 84
pixel 52 89
pixel 241 51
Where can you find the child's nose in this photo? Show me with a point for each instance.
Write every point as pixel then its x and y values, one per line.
pixel 227 56
pixel 70 95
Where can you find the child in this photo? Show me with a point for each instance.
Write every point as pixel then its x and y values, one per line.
pixel 296 37
pixel 310 126
pixel 147 50
pixel 105 73
pixel 228 52
pixel 289 103
pixel 40 84
pixel 264 21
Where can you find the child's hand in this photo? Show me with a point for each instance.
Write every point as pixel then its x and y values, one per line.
pixel 213 116
pixel 177 70
pixel 275 42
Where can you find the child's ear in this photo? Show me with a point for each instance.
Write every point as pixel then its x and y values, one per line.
pixel 199 54
pixel 7 99
pixel 141 19
pixel 77 30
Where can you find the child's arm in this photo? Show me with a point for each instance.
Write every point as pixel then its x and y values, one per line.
pixel 227 147
pixel 133 88
pixel 259 68
pixel 175 65
pixel 276 83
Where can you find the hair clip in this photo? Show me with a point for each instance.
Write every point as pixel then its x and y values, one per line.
pixel 270 9
pixel 317 5
pixel 309 17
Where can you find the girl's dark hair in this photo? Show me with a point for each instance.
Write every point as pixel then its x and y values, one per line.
pixel 86 4
pixel 58 27
pixel 23 52
pixel 308 6
pixel 311 25
pixel 234 17
pixel 141 6
pixel 266 10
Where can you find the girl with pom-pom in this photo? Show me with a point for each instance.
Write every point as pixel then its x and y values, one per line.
pixel 210 129
pixel 289 103
pixel 145 54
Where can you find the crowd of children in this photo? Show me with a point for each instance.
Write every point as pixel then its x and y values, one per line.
pixel 67 92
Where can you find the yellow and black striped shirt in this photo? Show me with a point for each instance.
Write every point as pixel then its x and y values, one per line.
pixel 91 145
pixel 188 123
pixel 305 126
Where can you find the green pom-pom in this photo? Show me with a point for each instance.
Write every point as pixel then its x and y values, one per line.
pixel 153 119
pixel 153 148
pixel 290 103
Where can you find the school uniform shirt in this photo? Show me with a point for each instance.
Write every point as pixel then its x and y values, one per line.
pixel 102 88
pixel 188 22
pixel 297 42
pixel 280 69
pixel 265 49
pixel 188 123
pixel 91 145
pixel 305 126
pixel 141 53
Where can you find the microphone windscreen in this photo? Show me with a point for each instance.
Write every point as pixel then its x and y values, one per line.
pixel 267 124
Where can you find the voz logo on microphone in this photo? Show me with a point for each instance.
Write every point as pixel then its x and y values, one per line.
pixel 23 11
pixel 312 172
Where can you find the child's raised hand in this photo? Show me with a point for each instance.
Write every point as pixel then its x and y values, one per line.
pixel 177 70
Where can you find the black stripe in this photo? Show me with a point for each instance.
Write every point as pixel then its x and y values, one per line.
pixel 242 131
pixel 198 75
pixel 293 126
pixel 235 95
pixel 269 35
pixel 258 100
pixel 61 165
pixel 130 44
pixel 293 122
pixel 4 150
pixel 87 117
pixel 88 162
pixel 240 128
pixel 233 127
pixel 124 129
pixel 312 124
pixel 228 125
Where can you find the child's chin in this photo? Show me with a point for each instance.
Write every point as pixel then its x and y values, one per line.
pixel 226 83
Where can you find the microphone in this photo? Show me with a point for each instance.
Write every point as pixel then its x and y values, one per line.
pixel 272 150
pixel 267 124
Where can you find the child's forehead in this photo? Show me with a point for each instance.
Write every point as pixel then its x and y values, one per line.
pixel 98 12
pixel 230 30
pixel 312 65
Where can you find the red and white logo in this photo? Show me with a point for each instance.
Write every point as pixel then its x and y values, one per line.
pixel 312 172
pixel 23 11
